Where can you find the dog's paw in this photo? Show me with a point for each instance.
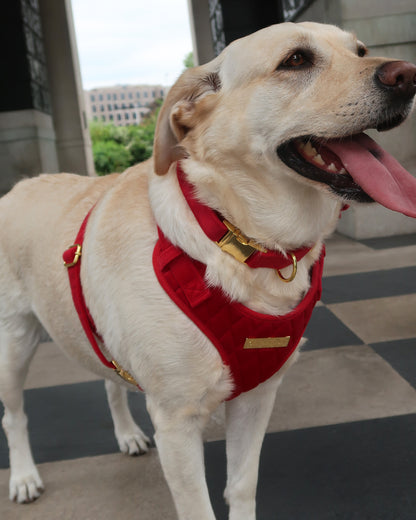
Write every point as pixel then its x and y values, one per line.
pixel 133 443
pixel 25 489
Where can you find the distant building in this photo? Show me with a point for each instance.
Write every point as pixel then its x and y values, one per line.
pixel 122 104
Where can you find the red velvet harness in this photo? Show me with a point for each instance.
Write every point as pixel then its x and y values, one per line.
pixel 254 346
pixel 230 325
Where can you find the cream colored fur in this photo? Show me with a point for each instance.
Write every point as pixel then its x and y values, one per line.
pixel 225 120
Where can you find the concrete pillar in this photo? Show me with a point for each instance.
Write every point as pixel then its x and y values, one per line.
pixel 42 128
pixel 216 23
pixel 73 142
pixel 202 41
pixel 27 137
pixel 27 146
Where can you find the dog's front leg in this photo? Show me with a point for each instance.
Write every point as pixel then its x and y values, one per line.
pixel 247 417
pixel 179 441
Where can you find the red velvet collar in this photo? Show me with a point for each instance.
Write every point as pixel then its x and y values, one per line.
pixel 218 230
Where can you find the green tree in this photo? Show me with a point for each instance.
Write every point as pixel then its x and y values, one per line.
pixel 188 61
pixel 110 156
pixel 107 132
pixel 115 148
pixel 140 145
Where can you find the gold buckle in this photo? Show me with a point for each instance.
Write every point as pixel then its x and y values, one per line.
pixel 294 270
pixel 123 373
pixel 238 245
pixel 252 343
pixel 77 255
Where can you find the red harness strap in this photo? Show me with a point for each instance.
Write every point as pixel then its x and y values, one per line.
pixel 254 346
pixel 72 261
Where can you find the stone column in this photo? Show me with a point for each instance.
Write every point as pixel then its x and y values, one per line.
pixel 42 123
pixel 27 137
pixel 73 142
pixel 199 15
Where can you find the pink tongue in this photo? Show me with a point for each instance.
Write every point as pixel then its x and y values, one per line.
pixel 377 172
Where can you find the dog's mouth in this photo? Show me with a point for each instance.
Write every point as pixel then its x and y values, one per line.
pixel 354 168
pixel 311 158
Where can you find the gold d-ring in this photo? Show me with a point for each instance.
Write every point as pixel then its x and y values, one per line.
pixel 294 270
pixel 77 255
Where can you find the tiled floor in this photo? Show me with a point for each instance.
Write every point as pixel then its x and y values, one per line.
pixel 341 441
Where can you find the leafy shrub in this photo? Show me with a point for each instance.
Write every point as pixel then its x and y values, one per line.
pixel 115 148
pixel 110 156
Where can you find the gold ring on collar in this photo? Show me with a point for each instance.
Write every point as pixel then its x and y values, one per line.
pixel 294 270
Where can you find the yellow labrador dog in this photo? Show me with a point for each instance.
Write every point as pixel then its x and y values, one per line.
pixel 269 137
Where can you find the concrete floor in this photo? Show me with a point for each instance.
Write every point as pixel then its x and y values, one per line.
pixel 340 442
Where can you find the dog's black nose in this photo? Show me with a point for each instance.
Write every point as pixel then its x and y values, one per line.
pixel 397 77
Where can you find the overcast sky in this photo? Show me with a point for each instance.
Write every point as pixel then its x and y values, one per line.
pixel 131 41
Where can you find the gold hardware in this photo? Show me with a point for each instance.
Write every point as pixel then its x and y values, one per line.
pixel 77 255
pixel 294 270
pixel 238 245
pixel 251 343
pixel 123 373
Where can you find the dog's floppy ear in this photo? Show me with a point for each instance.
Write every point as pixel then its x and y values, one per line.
pixel 177 115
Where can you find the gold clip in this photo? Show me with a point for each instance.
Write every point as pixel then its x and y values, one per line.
pixel 238 245
pixel 252 343
pixel 123 373
pixel 77 255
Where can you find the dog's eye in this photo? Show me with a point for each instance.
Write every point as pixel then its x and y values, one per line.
pixel 362 51
pixel 297 60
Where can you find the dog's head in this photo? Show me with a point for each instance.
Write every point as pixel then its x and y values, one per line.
pixel 293 100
